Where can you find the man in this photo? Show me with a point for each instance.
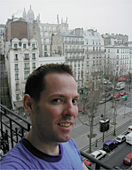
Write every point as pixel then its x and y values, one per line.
pixel 51 99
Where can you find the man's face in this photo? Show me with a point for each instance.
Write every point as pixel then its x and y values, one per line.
pixel 55 114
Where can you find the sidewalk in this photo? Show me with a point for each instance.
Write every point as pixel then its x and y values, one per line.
pixel 97 141
pixel 121 121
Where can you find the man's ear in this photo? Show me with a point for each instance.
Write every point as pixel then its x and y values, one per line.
pixel 28 103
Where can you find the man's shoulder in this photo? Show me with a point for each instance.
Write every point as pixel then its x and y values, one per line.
pixel 71 142
pixel 14 158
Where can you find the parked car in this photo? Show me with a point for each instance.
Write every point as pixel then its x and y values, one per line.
pixel 87 162
pixel 120 86
pixel 123 93
pixel 129 138
pixel 98 154
pixel 129 128
pixel 107 98
pixel 128 159
pixel 117 96
pixel 107 81
pixel 108 89
pixel 109 145
pixel 120 139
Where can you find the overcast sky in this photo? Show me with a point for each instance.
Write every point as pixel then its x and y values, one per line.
pixel 107 16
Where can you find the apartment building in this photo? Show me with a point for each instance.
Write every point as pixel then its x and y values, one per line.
pixel 117 60
pixel 21 59
pixel 22 53
pixel 72 47
pixel 83 50
pixel 30 43
pixel 130 52
pixel 46 31
pixel 2 34
pixel 94 56
pixel 115 39
pixel 43 31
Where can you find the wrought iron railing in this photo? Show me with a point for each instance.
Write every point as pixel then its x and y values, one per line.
pixel 14 127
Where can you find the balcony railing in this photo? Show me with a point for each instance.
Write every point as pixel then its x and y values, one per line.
pixel 14 127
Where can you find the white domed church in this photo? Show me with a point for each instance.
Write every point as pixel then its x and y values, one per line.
pixel 29 17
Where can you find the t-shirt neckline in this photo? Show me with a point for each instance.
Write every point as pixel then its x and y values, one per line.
pixel 41 155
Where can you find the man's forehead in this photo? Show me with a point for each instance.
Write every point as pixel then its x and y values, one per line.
pixel 61 80
pixel 55 76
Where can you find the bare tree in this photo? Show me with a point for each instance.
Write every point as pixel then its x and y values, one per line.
pixel 111 71
pixel 90 101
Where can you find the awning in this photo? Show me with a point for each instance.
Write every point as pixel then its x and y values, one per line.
pixel 122 78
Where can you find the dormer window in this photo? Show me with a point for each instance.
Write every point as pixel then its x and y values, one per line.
pixel 15 45
pixel 24 45
pixel 33 46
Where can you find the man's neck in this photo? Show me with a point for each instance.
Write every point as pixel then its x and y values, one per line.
pixel 47 148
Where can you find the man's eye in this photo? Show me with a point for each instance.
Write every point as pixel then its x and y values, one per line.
pixel 56 100
pixel 74 101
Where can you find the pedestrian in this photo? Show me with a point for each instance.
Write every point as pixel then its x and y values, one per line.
pixel 51 100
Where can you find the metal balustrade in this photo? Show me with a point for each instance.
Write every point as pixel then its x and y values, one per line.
pixel 13 127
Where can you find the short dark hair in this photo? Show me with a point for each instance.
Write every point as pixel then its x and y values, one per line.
pixel 36 83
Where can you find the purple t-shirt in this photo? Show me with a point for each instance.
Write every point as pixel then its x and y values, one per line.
pixel 25 156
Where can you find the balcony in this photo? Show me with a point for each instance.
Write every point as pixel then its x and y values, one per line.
pixel 74 42
pixel 75 58
pixel 74 50
pixel 13 130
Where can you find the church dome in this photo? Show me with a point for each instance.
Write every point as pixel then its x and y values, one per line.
pixel 30 14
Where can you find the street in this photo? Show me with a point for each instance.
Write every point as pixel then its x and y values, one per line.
pixel 117 155
pixel 123 114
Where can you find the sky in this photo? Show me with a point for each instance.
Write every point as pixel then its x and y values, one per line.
pixel 105 16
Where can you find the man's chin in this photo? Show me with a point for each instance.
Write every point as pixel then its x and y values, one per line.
pixel 65 139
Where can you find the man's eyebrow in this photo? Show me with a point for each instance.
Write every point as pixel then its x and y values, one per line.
pixel 61 95
pixel 77 96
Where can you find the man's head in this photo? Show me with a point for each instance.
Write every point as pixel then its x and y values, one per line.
pixel 51 99
pixel 36 81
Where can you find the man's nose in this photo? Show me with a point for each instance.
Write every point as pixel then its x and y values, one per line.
pixel 70 109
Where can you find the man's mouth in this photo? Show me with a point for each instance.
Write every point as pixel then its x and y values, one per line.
pixel 64 124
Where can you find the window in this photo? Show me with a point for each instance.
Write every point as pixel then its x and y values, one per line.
pixel 33 56
pixel 24 45
pixel 17 97
pixel 17 87
pixel 16 57
pixel 26 66
pixel 33 65
pixel 26 56
pixel 16 77
pixel 15 45
pixel 45 47
pixel 26 73
pixel 33 46
pixel 16 66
